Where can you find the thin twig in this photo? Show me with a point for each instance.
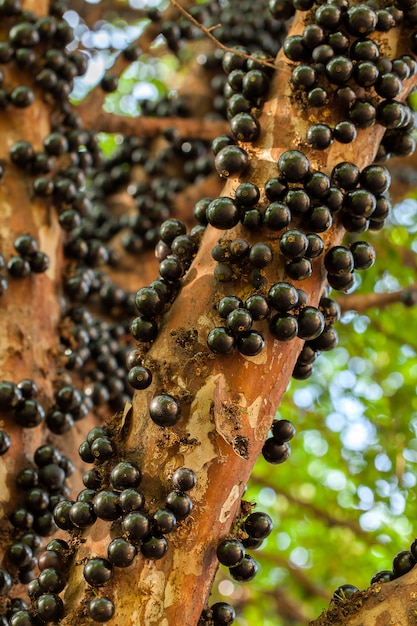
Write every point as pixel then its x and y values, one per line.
pixel 219 44
pixel 321 514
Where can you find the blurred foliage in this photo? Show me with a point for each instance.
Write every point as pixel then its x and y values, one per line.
pixel 345 502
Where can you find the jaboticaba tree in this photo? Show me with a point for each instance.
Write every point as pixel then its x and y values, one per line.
pixel 313 100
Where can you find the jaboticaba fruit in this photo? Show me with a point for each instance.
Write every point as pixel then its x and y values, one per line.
pixel 283 430
pixel 101 609
pixel 283 326
pixel 230 552
pixel 184 479
pixel 338 260
pixel 244 127
pixel 310 323
pixel 220 340
pixel 222 213
pixel 246 570
pixel 277 216
pixel 283 296
pixel 258 525
pixel 293 166
pixel 293 243
pixel 319 136
pixel 363 255
pixel 164 410
pixel 231 161
pixel 250 343
pixel 247 194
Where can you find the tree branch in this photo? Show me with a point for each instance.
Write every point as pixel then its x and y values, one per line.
pixel 95 99
pixel 382 604
pixel 317 512
pixel 363 302
pixel 189 128
pixel 219 44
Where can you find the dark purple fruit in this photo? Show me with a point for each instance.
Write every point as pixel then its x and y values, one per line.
pixel 363 255
pixel 154 547
pixel 293 166
pixel 98 572
pixel 283 430
pixel 184 479
pixel 223 613
pixel 258 525
pixel 164 410
pixel 220 340
pixel 179 503
pixel 250 343
pixel 121 553
pixel 230 552
pixel 100 609
pixel 344 593
pixel 222 213
pixel 293 243
pixel 246 570
pixel 125 475
pixel 231 161
pixel 403 562
pixel 283 326
pixel 135 525
pixel 275 452
pixel 50 607
pixel 310 323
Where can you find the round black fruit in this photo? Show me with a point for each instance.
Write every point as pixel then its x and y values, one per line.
pixel 293 165
pixel 164 410
pixel 258 525
pixel 222 213
pixel 230 552
pixel 231 161
pixel 220 340
pixel 275 452
pixel 283 430
pixel 98 572
pixel 246 570
pixel 101 609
